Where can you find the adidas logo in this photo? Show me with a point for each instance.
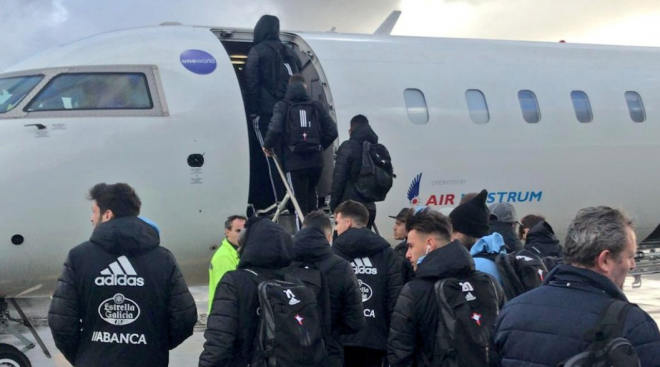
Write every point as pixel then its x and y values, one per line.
pixel 120 272
pixel 469 297
pixel 363 266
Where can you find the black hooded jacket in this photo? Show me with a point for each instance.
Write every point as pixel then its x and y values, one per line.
pixel 379 274
pixel 510 237
pixel 407 270
pixel 310 245
pixel 232 324
pixel 542 241
pixel 347 167
pixel 278 128
pixel 121 299
pixel 258 69
pixel 415 317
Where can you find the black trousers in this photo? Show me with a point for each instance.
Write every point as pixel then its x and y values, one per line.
pixel 266 186
pixel 303 182
pixel 372 219
pixel 363 357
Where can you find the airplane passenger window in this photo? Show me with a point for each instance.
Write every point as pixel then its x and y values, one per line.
pixel 418 112
pixel 94 91
pixel 477 105
pixel 582 106
pixel 635 107
pixel 14 89
pixel 529 106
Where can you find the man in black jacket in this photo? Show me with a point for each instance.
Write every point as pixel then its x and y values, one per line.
pixel 400 234
pixel 303 162
pixel 232 325
pixel 121 299
pixel 379 274
pixel 312 244
pixel 548 325
pixel 504 220
pixel 414 322
pixel 542 241
pixel 347 167
pixel 268 67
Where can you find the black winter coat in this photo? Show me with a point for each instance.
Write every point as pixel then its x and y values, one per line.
pixel 310 245
pixel 379 274
pixel 542 241
pixel 232 324
pixel 347 167
pixel 546 325
pixel 276 136
pixel 415 318
pixel 121 299
pixel 407 271
pixel 510 237
pixel 260 97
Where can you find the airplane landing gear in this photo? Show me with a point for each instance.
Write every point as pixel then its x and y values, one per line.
pixel 11 356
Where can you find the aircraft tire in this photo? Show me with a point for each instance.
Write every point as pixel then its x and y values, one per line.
pixel 12 357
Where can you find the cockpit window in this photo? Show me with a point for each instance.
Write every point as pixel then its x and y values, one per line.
pixel 14 89
pixel 94 91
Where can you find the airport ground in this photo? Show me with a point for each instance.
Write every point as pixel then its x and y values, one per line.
pixel 187 354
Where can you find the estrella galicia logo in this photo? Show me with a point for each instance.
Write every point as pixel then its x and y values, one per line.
pixel 413 190
pixel 199 62
pixel 366 290
pixel 119 310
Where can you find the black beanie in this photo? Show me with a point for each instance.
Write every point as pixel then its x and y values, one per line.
pixel 471 217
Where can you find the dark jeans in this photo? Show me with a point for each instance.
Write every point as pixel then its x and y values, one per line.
pixel 363 357
pixel 303 183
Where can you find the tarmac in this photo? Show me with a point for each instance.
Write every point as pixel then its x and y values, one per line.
pixel 187 354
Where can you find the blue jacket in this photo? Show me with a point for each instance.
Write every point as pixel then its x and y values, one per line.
pixel 492 244
pixel 546 325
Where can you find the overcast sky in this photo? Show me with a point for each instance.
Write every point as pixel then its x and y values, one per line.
pixel 31 26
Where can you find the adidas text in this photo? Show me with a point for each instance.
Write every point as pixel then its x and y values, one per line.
pixel 119 280
pixel 118 338
pixel 364 270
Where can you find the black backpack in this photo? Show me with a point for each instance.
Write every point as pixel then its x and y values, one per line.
pixel 520 271
pixel 376 174
pixel 311 275
pixel 277 72
pixel 608 347
pixel 303 129
pixel 468 308
pixel 289 331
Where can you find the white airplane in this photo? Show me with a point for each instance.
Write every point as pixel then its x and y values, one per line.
pixel 549 127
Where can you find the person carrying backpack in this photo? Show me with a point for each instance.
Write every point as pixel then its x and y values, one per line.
pixel 261 315
pixel 312 254
pixel 269 65
pixel 304 130
pixel 378 270
pixel 554 323
pixel 361 177
pixel 444 316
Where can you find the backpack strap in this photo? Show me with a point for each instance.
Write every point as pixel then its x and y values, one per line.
pixel 448 321
pixel 610 323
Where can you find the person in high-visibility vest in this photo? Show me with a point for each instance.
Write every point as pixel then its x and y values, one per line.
pixel 226 257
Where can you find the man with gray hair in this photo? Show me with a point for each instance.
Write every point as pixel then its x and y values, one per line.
pixel 554 322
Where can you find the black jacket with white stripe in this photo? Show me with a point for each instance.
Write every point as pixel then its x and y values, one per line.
pixel 277 128
pixel 379 275
pixel 121 299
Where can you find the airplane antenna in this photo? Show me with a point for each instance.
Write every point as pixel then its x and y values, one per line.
pixel 386 28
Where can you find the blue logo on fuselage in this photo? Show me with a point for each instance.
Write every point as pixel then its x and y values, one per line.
pixel 199 62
